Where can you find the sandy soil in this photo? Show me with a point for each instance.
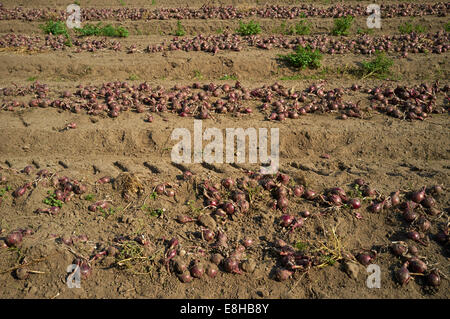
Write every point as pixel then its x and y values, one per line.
pixel 389 154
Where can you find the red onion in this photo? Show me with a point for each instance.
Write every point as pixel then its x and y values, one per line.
pixel 365 259
pixel 227 183
pixel 43 173
pixel 159 189
pixel 85 270
pixel 248 242
pixel 413 250
pixel 80 189
pixel 173 243
pixel 282 274
pixel 197 270
pixel 216 259
pixel 355 203
pixel 368 191
pixel 306 213
pixel 244 206
pixel 402 274
pixel 298 223
pixel 187 175
pixel 183 219
pixel 399 249
pixel 54 210
pixel 284 179
pixel 280 192
pixel 212 202
pixel 220 212
pixel 229 208
pixel 170 192
pixel 437 189
pixel 282 203
pixel 208 235
pixel 417 266
pixel 222 239
pixel 238 196
pixel 424 224
pixel 310 194
pixel 376 207
pixel 171 253
pixel 185 277
pixel 19 192
pixel 414 235
pixel 231 265
pixel 335 199
pixel 67 241
pixel 433 278
pixel 409 215
pixel 212 270
pixel 428 202
pixel 418 196
pixel 395 199
pixel 442 236
pixel 104 180
pixel 59 194
pixel 286 220
pixel 298 190
pixel 237 253
pixel 27 232
pixel 27 169
pixel 14 239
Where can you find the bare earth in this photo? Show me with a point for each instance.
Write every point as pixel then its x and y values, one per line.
pixel 390 154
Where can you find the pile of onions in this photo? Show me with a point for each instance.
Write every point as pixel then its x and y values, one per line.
pixel 225 12
pixel 201 101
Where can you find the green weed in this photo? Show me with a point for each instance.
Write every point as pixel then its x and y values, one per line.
pixel 229 77
pixel 198 75
pixel 250 28
pixel 89 197
pixel 378 67
pixel 106 31
pixel 408 27
pixel 303 58
pixel 51 200
pixel 364 31
pixel 342 25
pixel 57 28
pixel 301 28
pixel 179 32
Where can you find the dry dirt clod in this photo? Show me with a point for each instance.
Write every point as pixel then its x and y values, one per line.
pixel 248 265
pixel 108 261
pixel 207 221
pixel 22 273
pixel 179 265
pixel 351 268
pixel 112 251
pixel 3 244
